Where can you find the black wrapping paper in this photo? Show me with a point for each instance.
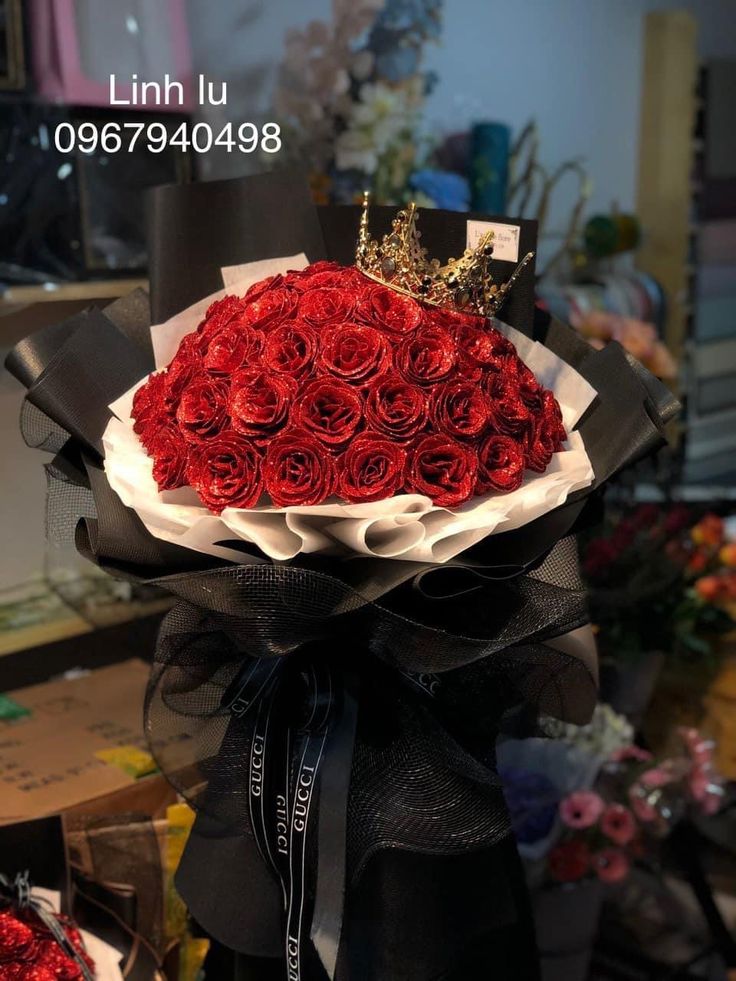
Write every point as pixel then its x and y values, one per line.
pixel 396 676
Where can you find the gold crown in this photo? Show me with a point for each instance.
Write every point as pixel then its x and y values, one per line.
pixel 400 262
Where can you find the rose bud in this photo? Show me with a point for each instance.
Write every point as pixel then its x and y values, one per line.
pixel 231 348
pixel 169 451
pixel 271 308
pixel 328 409
pixel 202 410
pixel 297 470
pixel 354 352
pixel 260 401
pixel 389 310
pixel 460 408
pixel 500 464
pixel 290 349
pixel 326 306
pixel 370 469
pixel 427 356
pixel 395 407
pixel 226 472
pixel 443 469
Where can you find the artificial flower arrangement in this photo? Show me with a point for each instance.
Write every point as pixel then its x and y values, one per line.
pixel 660 578
pixel 323 383
pixel 325 409
pixel 361 486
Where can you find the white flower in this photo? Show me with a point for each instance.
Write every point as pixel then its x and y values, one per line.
pixel 355 149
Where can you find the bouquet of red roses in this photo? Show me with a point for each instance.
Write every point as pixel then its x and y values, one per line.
pixel 322 382
pixel 267 454
pixel 322 410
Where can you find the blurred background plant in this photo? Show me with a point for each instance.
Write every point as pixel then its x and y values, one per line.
pixel 350 93
pixel 575 822
pixel 661 579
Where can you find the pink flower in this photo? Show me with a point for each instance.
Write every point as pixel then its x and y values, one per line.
pixel 581 809
pixel 611 865
pixel 656 777
pixel 618 824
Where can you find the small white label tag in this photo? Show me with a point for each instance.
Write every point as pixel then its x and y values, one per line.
pixel 505 238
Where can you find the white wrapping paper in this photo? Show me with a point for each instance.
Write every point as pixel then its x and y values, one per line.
pixel 407 526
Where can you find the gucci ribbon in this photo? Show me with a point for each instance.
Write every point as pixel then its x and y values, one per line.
pixel 300 706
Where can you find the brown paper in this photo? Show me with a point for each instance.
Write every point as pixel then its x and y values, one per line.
pixel 47 760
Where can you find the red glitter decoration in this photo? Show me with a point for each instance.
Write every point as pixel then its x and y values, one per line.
pixel 321 382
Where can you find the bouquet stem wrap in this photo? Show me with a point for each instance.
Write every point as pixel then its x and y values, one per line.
pixel 322 712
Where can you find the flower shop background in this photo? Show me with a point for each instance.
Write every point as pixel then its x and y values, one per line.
pixel 541 108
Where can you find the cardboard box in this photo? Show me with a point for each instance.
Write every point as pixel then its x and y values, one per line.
pixel 50 759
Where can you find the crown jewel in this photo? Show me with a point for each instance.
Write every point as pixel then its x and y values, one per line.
pixel 400 262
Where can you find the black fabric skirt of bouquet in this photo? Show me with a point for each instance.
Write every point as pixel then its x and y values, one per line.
pixel 327 690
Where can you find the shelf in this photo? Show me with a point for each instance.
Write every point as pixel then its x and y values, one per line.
pixel 97 289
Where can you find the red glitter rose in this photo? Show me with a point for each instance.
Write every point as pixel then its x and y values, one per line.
pixel 460 408
pixel 370 469
pixel 396 407
pixel 226 472
pixel 149 411
pixel 427 356
pixel 291 349
pixel 443 469
pixel 389 310
pixel 328 409
pixel 354 352
pixel 326 306
pixel 220 313
pixel 169 451
pixel 177 377
pixel 540 443
pixel 297 470
pixel 231 348
pixel 509 414
pixel 258 289
pixel 260 401
pixel 202 409
pixel 272 308
pixel 500 464
pixel 482 344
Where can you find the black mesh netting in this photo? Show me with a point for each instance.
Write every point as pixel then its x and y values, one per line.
pixel 422 771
